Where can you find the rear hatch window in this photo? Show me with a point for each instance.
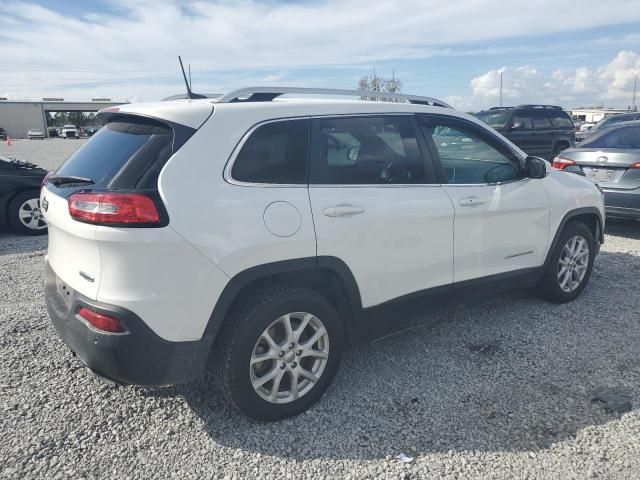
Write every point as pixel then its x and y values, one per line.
pixel 127 153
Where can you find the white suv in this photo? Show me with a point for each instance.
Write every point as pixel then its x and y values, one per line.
pixel 258 233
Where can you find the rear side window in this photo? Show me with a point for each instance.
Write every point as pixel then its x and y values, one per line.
pixel 624 137
pixel 540 120
pixel 560 119
pixel 276 152
pixel 366 151
pixel 126 153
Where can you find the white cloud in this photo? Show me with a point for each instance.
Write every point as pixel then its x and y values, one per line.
pixel 132 52
pixel 611 84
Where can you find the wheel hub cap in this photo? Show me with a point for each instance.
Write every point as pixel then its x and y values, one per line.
pixel 31 216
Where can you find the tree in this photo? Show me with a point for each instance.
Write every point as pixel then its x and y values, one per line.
pixel 377 83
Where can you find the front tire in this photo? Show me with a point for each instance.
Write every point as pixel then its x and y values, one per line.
pixel 570 264
pixel 25 216
pixel 279 352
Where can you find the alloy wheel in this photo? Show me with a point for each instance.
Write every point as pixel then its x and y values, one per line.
pixel 289 357
pixel 573 263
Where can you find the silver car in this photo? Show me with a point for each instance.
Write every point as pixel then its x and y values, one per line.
pixel 35 133
pixel 610 158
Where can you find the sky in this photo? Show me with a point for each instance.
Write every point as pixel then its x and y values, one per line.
pixel 548 51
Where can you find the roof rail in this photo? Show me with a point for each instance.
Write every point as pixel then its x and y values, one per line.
pixel 183 96
pixel 266 94
pixel 550 107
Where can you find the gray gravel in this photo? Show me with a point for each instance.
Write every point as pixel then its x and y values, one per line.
pixel 503 388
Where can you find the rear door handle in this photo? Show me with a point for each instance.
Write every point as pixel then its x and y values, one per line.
pixel 471 201
pixel 342 210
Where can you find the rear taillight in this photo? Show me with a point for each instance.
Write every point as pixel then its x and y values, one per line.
pixel 562 163
pixel 635 165
pixel 101 321
pixel 113 208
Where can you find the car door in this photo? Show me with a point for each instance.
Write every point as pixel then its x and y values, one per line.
pixel 501 218
pixel 377 207
pixel 521 133
pixel 543 135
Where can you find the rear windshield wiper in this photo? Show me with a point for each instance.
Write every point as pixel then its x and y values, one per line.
pixel 62 180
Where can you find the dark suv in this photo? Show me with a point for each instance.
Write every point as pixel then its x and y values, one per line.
pixel 539 130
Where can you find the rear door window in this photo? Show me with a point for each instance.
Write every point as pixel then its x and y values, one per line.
pixel 367 151
pixel 126 153
pixel 540 120
pixel 275 152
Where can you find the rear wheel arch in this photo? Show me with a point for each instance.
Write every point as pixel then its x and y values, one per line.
pixel 329 276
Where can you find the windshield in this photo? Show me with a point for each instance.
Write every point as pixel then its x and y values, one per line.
pixel 625 137
pixel 495 119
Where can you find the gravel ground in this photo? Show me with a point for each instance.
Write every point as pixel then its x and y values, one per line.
pixel 501 388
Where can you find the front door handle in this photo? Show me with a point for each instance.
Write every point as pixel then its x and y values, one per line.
pixel 342 210
pixel 471 201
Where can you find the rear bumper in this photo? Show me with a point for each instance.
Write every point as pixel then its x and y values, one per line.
pixel 622 203
pixel 138 356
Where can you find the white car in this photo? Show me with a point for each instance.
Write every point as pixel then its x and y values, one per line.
pixel 261 233
pixel 69 131
pixel 35 133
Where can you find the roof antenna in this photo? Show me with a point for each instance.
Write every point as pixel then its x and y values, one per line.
pixel 190 94
pixel 185 78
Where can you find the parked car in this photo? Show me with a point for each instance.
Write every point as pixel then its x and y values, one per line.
pixel 541 130
pixel 35 133
pixel 262 233
pixel 53 132
pixel 20 196
pixel 3 134
pixel 90 131
pixel 610 158
pixel 607 121
pixel 70 131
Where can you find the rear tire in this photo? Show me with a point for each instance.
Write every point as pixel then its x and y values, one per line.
pixel 258 329
pixel 24 214
pixel 570 265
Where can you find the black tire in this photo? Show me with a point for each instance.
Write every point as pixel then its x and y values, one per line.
pixel 242 331
pixel 549 286
pixel 14 210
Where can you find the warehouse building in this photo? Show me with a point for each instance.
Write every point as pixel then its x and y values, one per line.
pixel 17 117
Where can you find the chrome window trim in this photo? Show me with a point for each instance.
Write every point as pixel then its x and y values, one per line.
pixel 236 151
pixel 234 154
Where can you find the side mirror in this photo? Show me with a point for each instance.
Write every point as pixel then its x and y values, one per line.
pixel 517 125
pixel 535 167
